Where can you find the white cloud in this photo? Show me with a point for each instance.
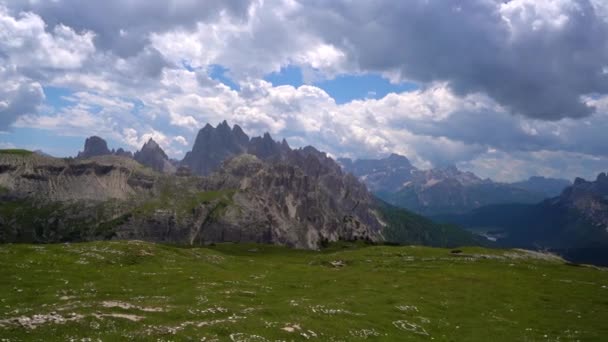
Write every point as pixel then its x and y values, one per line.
pixel 492 74
pixel 26 42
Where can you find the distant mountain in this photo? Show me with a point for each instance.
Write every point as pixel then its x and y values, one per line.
pixel 574 223
pixel 550 187
pixel 95 146
pixel 433 192
pixel 381 175
pixel 153 156
pixel 295 197
pixel 213 145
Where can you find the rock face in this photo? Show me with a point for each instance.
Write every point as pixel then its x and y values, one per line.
pixel 273 194
pixel 51 179
pixel 153 156
pixel 266 148
pixel 301 199
pixel 589 199
pixel 213 145
pixel 94 147
pixel 439 191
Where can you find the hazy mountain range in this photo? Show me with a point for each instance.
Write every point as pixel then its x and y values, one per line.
pixel 575 223
pixel 444 190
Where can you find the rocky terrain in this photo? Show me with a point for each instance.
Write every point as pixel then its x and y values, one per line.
pixel 444 190
pixel 273 194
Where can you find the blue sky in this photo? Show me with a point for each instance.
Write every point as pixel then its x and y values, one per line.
pixel 342 88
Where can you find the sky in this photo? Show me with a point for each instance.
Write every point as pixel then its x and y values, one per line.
pixel 506 89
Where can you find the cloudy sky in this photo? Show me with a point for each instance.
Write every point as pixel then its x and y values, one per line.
pixel 507 89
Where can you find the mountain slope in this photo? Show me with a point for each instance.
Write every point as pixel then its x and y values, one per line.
pixel 549 187
pixel 298 198
pixel 575 224
pixel 153 156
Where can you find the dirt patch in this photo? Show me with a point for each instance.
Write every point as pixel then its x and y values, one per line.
pixel 127 306
pixel 132 318
pixel 411 327
pixel 290 328
pixel 37 320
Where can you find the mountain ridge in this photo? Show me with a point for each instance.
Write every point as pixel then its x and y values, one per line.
pixel 294 197
pixel 574 224
pixel 442 190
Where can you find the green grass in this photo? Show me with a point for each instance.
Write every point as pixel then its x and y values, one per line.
pixel 18 152
pixel 235 292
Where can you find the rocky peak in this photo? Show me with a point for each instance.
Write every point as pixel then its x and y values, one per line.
pixel 240 136
pixel 122 153
pixel 213 145
pixel 94 146
pixel 265 147
pixel 386 174
pixel 153 156
pixel 398 159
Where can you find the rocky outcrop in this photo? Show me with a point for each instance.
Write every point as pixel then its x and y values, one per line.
pixel 266 148
pixel 213 145
pixel 153 156
pixel 94 147
pixel 588 198
pixel 52 179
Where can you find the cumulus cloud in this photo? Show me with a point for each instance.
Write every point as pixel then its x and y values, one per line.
pixel 535 57
pixel 508 87
pixel 18 96
pixel 123 26
pixel 25 42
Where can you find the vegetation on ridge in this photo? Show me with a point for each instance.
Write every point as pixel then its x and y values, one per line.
pixel 19 152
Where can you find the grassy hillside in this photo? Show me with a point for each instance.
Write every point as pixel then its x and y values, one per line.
pixel 114 291
pixel 406 228
pixel 542 225
pixel 18 152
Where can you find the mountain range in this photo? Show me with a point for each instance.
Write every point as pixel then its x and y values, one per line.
pixel 229 188
pixel 574 224
pixel 444 190
pixel 232 188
